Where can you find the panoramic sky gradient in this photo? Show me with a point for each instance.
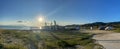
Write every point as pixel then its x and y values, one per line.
pixel 63 11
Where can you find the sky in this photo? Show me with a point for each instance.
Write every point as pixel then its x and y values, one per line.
pixel 63 11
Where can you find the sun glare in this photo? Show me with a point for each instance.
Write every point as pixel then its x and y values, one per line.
pixel 40 19
pixel 40 27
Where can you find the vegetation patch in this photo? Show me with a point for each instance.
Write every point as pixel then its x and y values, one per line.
pixel 45 40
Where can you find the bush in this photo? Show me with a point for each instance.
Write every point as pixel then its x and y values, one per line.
pixel 117 30
pixel 14 47
pixel 62 43
pixel 1 46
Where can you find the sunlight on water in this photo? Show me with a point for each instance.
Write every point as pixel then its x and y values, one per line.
pixel 40 27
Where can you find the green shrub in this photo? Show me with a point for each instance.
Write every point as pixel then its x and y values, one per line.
pixel 117 30
pixel 90 46
pixel 62 43
pixel 1 46
pixel 14 47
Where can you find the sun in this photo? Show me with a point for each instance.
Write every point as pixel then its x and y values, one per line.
pixel 40 19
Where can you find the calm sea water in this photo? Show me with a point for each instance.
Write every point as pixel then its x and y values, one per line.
pixel 15 27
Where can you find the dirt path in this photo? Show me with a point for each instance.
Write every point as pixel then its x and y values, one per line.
pixel 109 39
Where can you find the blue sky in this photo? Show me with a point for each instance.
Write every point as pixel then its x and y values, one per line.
pixel 63 11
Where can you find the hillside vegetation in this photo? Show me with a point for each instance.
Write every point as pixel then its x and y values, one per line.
pixel 16 39
pixel 96 25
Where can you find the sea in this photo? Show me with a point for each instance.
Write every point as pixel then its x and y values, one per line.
pixel 15 27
